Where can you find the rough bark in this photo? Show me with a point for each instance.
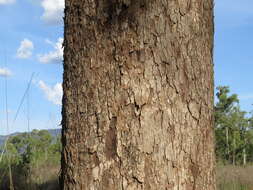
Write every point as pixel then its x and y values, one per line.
pixel 138 95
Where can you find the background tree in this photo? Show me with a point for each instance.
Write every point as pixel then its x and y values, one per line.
pixel 233 129
pixel 138 95
pixel 223 109
pixel 34 158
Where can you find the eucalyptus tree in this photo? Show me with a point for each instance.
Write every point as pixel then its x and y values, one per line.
pixel 138 95
pixel 223 109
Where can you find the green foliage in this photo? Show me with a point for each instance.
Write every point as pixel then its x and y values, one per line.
pixel 28 154
pixel 233 129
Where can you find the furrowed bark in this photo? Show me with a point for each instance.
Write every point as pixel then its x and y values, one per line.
pixel 138 95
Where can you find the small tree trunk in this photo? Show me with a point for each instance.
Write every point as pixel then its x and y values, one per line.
pixel 244 150
pixel 234 147
pixel 227 145
pixel 244 157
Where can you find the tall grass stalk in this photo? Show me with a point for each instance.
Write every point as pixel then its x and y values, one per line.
pixel 234 177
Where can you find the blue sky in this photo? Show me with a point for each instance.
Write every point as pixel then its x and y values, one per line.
pixel 30 42
pixel 233 50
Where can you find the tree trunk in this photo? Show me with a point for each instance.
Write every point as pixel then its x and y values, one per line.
pixel 244 147
pixel 244 157
pixel 227 146
pixel 234 147
pixel 138 95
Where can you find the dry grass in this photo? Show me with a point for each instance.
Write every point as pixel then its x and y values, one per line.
pixel 45 173
pixel 235 178
pixel 42 177
pixel 45 177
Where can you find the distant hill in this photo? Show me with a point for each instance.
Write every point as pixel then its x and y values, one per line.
pixel 53 132
pixel 3 137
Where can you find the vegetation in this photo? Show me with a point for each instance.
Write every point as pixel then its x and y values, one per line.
pixel 34 160
pixel 233 130
pixel 234 142
pixel 231 177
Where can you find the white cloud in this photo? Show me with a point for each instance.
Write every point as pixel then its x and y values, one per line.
pixel 52 93
pixel 5 72
pixel 55 56
pixel 53 11
pixel 2 2
pixel 25 49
